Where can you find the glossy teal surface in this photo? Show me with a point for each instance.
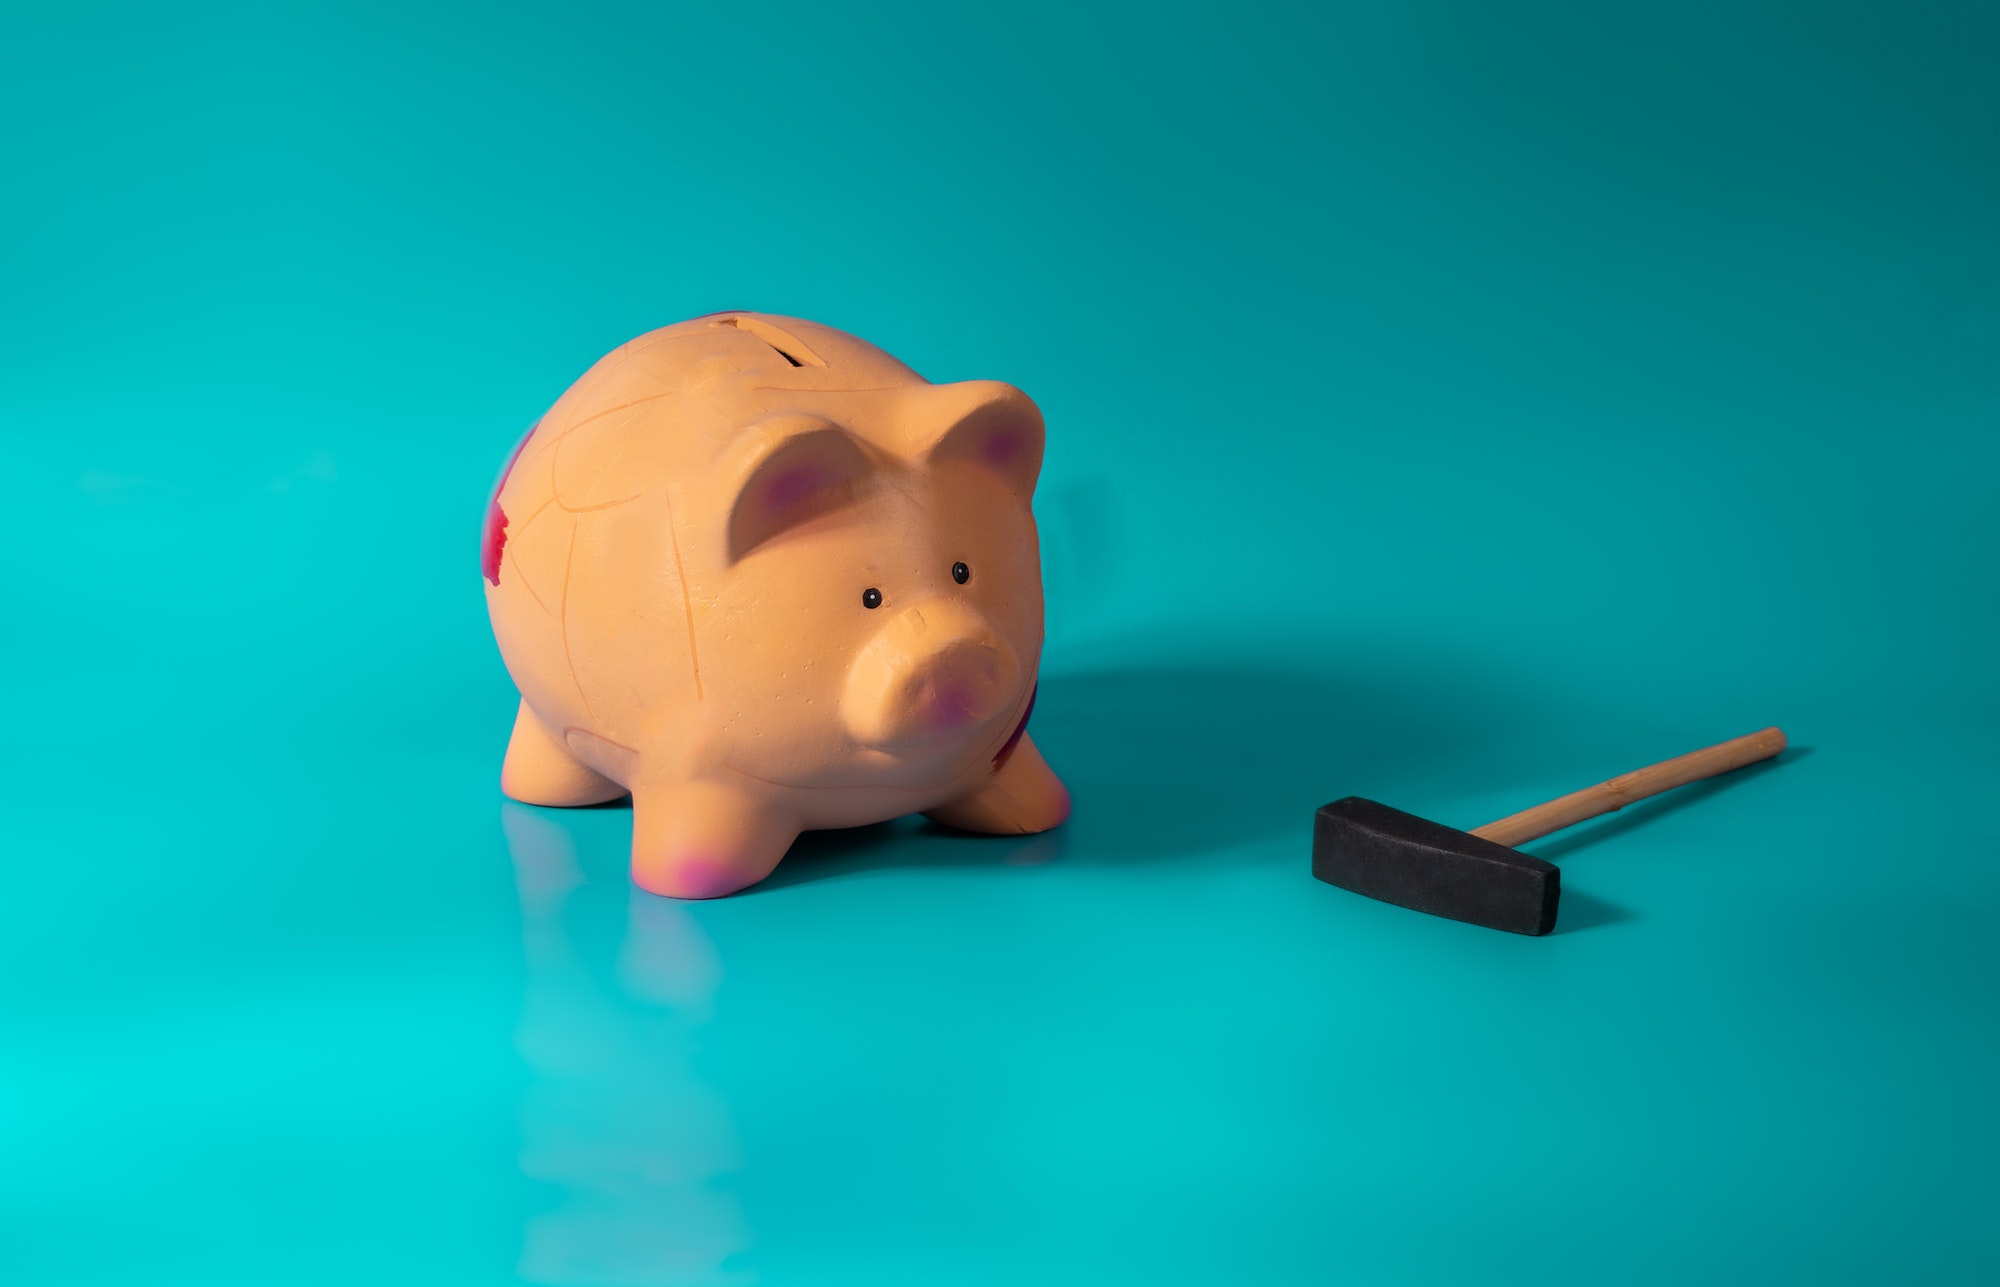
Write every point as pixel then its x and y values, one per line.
pixel 1448 404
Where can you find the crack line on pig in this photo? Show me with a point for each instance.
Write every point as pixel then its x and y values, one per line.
pixel 555 464
pixel 574 425
pixel 521 575
pixel 806 388
pixel 687 603
pixel 515 534
pixel 569 559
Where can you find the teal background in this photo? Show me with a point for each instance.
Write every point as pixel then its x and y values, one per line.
pixel 1449 403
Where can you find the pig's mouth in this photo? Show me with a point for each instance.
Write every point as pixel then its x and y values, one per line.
pixel 955 737
pixel 955 744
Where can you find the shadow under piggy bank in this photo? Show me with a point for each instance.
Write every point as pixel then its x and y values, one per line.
pixel 1186 762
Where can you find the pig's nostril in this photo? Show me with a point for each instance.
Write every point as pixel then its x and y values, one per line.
pixel 963 693
pixel 956 705
pixel 935 670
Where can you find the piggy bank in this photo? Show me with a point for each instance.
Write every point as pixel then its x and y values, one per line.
pixel 765 578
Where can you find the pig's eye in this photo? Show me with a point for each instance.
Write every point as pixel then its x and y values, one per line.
pixel 871 598
pixel 961 573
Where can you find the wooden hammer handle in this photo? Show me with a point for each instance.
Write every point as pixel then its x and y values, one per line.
pixel 1626 788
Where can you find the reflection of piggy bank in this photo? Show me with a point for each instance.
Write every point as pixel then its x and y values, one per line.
pixel 766 578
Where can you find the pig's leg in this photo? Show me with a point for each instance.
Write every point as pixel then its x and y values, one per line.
pixel 1023 797
pixel 539 771
pixel 696 840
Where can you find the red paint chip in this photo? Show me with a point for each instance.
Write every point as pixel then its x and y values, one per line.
pixel 493 534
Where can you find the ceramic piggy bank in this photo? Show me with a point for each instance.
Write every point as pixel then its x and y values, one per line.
pixel 765 578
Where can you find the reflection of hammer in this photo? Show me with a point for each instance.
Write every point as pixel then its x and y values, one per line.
pixel 1476 876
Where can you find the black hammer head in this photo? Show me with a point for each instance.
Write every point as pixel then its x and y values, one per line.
pixel 1403 859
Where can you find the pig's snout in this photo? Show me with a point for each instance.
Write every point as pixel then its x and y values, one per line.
pixel 934 671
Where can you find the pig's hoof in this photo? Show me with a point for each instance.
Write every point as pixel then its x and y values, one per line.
pixel 1023 797
pixel 698 841
pixel 694 877
pixel 540 770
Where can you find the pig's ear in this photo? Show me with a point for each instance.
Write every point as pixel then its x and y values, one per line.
pixel 991 426
pixel 792 479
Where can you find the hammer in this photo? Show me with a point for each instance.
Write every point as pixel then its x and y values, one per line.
pixel 1478 876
